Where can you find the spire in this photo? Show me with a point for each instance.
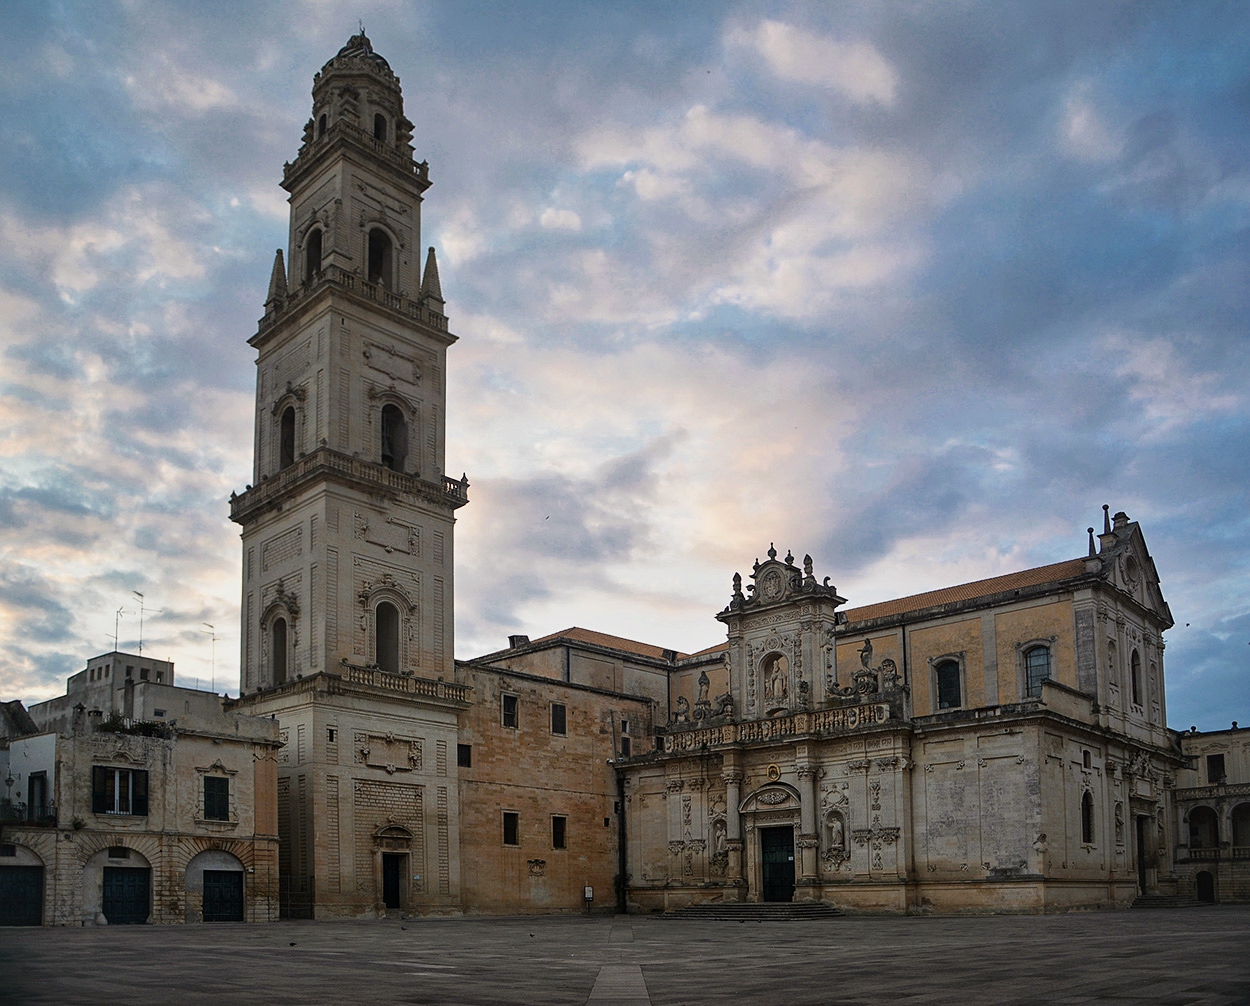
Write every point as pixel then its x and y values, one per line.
pixel 1092 551
pixel 277 282
pixel 430 287
pixel 1106 519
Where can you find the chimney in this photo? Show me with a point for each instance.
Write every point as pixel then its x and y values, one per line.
pixel 517 640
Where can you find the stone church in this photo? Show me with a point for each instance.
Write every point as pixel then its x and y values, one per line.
pixel 999 745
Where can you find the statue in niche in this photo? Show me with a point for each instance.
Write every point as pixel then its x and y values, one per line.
pixel 775 686
pixel 1119 824
pixel 865 655
pixel 718 836
pixel 835 832
pixel 704 684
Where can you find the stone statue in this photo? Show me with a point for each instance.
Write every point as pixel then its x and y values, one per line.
pixel 704 684
pixel 865 655
pixel 682 713
pixel 777 683
pixel 836 838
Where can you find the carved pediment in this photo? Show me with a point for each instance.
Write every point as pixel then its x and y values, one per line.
pixel 773 797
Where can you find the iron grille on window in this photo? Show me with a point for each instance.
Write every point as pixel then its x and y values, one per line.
pixel 1036 669
pixel 508 704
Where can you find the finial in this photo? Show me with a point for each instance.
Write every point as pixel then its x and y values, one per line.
pixel 1106 519
pixel 789 558
pixel 737 586
pixel 772 550
pixel 807 566
pixel 1091 540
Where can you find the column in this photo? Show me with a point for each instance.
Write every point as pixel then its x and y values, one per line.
pixel 733 824
pixel 807 841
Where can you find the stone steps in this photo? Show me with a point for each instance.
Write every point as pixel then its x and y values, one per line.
pixel 1167 901
pixel 758 911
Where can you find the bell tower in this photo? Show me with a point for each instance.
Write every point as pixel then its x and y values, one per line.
pixel 347 525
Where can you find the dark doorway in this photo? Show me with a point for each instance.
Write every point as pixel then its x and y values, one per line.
pixel 223 896
pixel 21 895
pixel 126 895
pixel 1206 887
pixel 1141 852
pixel 392 864
pixel 777 847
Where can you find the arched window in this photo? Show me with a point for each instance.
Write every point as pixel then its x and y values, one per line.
pixel 394 438
pixel 386 627
pixel 379 257
pixel 286 438
pixel 1087 818
pixel 1036 669
pixel 321 126
pixel 1241 826
pixel 278 650
pixel 379 127
pixel 1135 671
pixel 1204 829
pixel 947 676
pixel 312 255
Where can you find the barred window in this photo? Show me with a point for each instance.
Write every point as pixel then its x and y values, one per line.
pixel 1036 669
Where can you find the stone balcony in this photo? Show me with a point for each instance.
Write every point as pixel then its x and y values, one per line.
pixel 335 277
pixel 323 462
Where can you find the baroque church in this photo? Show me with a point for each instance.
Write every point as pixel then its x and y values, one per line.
pixel 993 746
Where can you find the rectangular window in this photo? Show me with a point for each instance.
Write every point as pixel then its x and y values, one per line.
pixel 558 826
pixel 947 675
pixel 511 823
pixel 119 791
pixel 559 718
pixel 143 673
pixel 216 798
pixel 508 706
pixel 118 852
pixel 464 755
pixel 331 735
pixel 1215 769
pixel 626 746
pixel 624 726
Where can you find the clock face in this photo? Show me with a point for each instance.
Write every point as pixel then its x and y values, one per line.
pixel 770 585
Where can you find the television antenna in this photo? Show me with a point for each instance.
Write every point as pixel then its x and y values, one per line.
pixel 142 609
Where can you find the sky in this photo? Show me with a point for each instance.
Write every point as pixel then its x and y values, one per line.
pixel 915 288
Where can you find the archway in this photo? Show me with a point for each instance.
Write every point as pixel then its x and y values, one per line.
pixel 215 883
pixel 21 887
pixel 771 819
pixel 1205 885
pixel 117 885
pixel 1204 829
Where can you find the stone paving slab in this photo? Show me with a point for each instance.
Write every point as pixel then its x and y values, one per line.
pixel 1178 957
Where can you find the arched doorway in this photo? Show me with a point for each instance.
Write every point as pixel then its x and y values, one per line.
pixel 771 819
pixel 1204 829
pixel 21 886
pixel 215 883
pixel 1205 885
pixel 117 886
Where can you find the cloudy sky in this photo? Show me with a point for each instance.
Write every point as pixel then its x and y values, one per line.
pixel 913 287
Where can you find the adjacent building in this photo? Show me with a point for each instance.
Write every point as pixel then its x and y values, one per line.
pixel 112 817
pixel 1212 816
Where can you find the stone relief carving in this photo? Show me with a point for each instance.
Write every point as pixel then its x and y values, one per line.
pixel 538 867
pixel 386 751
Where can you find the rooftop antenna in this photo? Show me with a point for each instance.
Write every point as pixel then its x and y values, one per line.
pixel 142 609
pixel 212 630
pixel 117 616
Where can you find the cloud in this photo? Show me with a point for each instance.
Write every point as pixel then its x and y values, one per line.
pixel 559 220
pixel 854 69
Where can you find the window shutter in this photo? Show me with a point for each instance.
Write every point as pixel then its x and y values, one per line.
pixel 140 794
pixel 101 790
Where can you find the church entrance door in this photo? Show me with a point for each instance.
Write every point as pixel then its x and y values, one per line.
pixel 1141 852
pixel 777 849
pixel 391 864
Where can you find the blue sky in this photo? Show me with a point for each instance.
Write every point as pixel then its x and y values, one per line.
pixel 913 287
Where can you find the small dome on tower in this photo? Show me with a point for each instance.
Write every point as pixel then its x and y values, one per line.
pixel 359 46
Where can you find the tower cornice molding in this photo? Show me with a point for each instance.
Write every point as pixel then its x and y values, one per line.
pixel 345 138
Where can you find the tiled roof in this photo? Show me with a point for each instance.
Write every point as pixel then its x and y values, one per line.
pixel 970 591
pixel 581 635
pixel 718 648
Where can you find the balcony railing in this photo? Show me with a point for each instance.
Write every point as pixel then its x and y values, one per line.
pixel 420 687
pixel 456 491
pixel 20 812
pixel 376 292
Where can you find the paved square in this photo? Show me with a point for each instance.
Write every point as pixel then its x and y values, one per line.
pixel 1179 956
